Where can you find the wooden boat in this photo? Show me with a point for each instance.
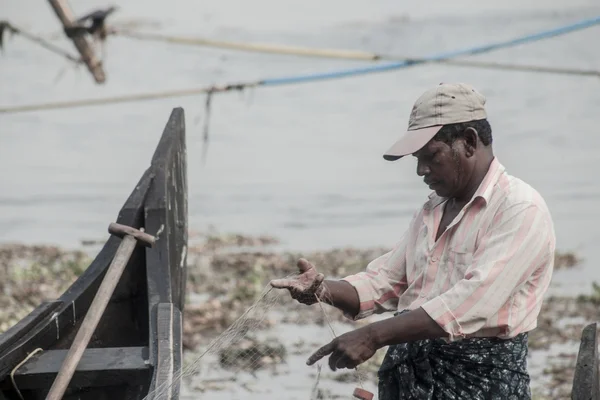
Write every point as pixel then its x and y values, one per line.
pixel 136 346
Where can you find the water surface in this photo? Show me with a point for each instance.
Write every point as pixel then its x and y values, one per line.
pixel 300 162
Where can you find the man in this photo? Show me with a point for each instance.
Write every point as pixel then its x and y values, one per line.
pixel 467 278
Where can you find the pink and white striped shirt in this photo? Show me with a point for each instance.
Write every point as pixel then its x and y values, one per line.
pixel 487 273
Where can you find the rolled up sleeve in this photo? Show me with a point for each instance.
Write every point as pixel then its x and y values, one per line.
pixel 518 245
pixel 383 281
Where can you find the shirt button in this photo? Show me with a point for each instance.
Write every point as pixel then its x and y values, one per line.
pixel 434 259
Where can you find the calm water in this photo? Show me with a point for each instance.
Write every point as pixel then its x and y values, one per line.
pixel 300 162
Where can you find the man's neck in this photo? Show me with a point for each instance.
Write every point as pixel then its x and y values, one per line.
pixel 480 171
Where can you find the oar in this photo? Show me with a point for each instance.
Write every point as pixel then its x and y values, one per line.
pixel 130 238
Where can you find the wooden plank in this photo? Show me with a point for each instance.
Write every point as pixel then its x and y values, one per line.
pixel 65 15
pixel 586 382
pixel 178 197
pixel 159 213
pixel 173 135
pixel 167 204
pixel 15 333
pixel 158 272
pixel 166 217
pixel 98 367
pixel 177 352
pixel 46 333
pixel 169 353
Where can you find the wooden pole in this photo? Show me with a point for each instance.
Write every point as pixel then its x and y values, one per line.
pixel 105 291
pixel 65 15
pixel 586 380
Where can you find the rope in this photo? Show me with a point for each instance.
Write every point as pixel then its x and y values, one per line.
pixel 42 42
pixel 356 54
pixel 12 373
pixel 438 57
pixel 126 98
pixel 311 77
pixel 524 68
pixel 255 47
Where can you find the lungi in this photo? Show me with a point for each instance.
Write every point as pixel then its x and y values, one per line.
pixel 468 369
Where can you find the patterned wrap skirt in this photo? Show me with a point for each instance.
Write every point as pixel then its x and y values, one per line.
pixel 469 369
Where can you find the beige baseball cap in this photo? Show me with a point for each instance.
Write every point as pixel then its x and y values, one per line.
pixel 448 103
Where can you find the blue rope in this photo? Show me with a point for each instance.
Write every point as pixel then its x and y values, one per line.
pixel 439 57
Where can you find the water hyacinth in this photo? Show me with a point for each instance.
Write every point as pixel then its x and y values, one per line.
pixel 226 275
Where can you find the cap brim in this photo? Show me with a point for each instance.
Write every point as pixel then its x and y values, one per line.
pixel 411 142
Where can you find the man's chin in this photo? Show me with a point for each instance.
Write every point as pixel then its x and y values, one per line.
pixel 437 188
pixel 441 192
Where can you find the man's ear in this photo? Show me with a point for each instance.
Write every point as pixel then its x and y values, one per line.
pixel 471 141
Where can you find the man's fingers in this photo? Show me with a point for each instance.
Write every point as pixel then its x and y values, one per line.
pixel 283 283
pixel 338 360
pixel 304 265
pixel 322 352
pixel 341 361
pixel 316 283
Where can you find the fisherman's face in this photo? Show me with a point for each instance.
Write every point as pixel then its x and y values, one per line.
pixel 446 168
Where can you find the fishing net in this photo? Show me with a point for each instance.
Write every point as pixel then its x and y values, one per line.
pixel 262 355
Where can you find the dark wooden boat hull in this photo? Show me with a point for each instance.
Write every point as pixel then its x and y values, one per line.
pixel 137 344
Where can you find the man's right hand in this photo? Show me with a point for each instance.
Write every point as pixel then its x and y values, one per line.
pixel 306 287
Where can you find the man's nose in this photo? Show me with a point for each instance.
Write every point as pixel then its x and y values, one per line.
pixel 422 169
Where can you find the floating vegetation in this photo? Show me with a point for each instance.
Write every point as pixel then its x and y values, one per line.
pixel 213 240
pixel 32 275
pixel 565 260
pixel 593 298
pixel 228 272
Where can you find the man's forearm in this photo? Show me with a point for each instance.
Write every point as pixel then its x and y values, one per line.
pixel 406 327
pixel 342 295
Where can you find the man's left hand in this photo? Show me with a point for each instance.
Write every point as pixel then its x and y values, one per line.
pixel 347 350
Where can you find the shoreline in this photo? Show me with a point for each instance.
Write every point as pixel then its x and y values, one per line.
pixel 227 273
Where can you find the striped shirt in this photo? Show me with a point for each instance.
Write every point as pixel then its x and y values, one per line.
pixel 486 275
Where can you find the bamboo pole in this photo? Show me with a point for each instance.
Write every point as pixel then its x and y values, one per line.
pixel 65 15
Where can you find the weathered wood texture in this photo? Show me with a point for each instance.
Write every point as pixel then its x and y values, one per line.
pixel 65 15
pixel 92 317
pixel 166 211
pixel 586 382
pixel 98 367
pixel 145 308
pixel 55 329
pixel 166 382
pixel 13 334
pixel 166 216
